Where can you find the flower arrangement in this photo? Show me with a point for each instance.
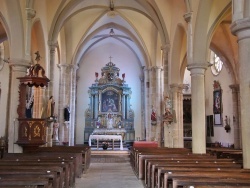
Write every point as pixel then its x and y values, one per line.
pixel 105 145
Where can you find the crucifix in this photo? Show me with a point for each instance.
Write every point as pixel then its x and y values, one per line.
pixel 110 57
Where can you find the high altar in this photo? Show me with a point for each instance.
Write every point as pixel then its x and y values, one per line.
pixel 109 110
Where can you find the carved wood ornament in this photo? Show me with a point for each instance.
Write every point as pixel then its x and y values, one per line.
pixel 32 131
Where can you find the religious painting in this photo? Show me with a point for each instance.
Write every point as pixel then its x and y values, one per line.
pixel 110 101
pixel 217 107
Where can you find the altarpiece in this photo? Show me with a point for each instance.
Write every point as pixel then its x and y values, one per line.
pixel 109 110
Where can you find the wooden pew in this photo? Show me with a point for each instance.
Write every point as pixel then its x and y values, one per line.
pixel 151 171
pixel 140 167
pixel 141 154
pixel 66 165
pixel 84 150
pixel 49 177
pixel 221 152
pixel 134 152
pixel 52 176
pixel 17 183
pixel 57 169
pixel 207 174
pixel 162 182
pixel 181 182
pixel 149 162
pixel 189 165
pixel 47 156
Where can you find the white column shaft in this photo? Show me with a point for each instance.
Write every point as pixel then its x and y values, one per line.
pixel 198 107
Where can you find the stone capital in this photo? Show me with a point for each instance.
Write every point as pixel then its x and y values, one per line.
pixel 165 48
pixel 235 88
pixel 197 68
pixel 241 28
pixel 157 68
pixel 176 87
pixel 53 45
pixel 19 65
pixel 75 67
pixel 144 68
pixel 31 13
pixel 65 67
pixel 188 17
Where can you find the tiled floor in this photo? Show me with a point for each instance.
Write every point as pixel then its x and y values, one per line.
pixel 109 174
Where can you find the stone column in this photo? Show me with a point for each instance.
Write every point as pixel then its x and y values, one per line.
pixel 241 28
pixel 143 126
pixel 66 125
pixel 165 51
pixel 30 14
pixel 49 133
pixel 152 103
pixel 19 69
pixel 147 104
pixel 158 99
pixel 155 95
pixel 72 106
pixel 198 107
pixel 188 19
pixel 238 9
pixel 64 100
pixel 236 118
pixel 177 124
pixel 50 70
pixel 55 133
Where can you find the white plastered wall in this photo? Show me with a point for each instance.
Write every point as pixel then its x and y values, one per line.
pixel 224 78
pixel 92 62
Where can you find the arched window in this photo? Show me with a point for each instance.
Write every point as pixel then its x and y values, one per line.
pixel 216 62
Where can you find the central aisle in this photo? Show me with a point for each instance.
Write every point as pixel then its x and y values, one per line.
pixel 109 172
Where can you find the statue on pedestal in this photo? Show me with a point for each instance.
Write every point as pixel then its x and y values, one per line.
pixel 153 116
pixel 66 113
pixel 109 121
pixel 50 107
pixel 167 116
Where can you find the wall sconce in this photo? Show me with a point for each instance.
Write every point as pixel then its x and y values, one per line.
pixel 227 126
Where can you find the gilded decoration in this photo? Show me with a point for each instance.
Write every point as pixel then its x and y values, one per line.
pixel 109 106
pixel 25 132
pixel 37 131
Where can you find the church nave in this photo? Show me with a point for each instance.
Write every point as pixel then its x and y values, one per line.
pixel 109 172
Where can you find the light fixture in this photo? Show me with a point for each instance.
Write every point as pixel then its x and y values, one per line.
pixel 111 33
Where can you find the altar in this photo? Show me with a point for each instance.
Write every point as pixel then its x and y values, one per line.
pixel 109 111
pixel 114 131
pixel 106 137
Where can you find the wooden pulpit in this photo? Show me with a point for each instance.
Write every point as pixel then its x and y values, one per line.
pixel 31 131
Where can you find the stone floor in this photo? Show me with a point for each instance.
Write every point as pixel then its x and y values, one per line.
pixel 109 171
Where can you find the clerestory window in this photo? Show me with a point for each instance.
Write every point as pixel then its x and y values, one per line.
pixel 216 62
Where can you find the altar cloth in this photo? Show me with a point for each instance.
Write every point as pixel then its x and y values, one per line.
pixel 106 137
